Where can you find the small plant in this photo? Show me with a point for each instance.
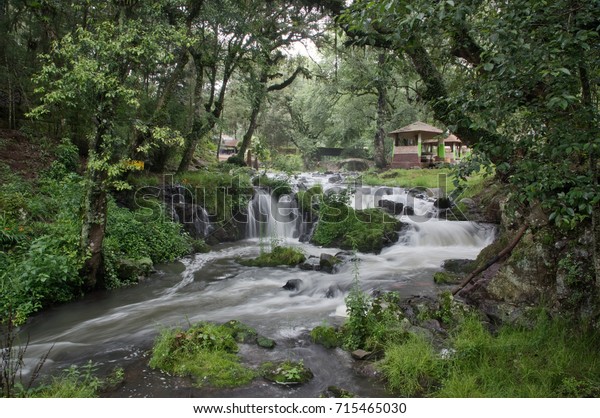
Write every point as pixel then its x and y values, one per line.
pixel 325 335
pixel 287 372
pixel 74 382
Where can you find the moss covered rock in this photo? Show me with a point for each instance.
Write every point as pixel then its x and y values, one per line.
pixel 279 256
pixel 443 277
pixel 367 230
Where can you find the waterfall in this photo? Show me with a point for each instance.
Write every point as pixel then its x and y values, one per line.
pixel 269 217
pixel 181 206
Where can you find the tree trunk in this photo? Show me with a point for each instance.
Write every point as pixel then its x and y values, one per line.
pixel 247 139
pixel 591 130
pixel 93 231
pixel 199 130
pixel 379 142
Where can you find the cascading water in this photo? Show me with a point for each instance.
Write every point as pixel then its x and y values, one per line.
pixel 184 210
pixel 269 217
pixel 117 327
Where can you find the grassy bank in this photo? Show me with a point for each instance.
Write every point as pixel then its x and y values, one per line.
pixel 552 359
pixel 438 178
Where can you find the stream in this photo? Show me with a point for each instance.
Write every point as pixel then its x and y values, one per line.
pixel 117 328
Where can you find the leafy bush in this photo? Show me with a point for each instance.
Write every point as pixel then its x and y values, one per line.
pixel 310 198
pixel 73 382
pixel 222 192
pixel 289 163
pixel 287 372
pixel 129 236
pixel 325 335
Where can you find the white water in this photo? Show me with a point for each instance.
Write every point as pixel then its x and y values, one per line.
pixel 272 218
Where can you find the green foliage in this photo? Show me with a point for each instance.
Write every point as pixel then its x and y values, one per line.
pixel 412 368
pixel 430 179
pixel 553 358
pixel 366 230
pixel 279 256
pixel 130 235
pixel 287 372
pixel 309 199
pixel 578 280
pixel 372 322
pixel 223 190
pixel 278 186
pixel 442 277
pixel 325 335
pixel 67 160
pixel 40 257
pixel 288 163
pixel 205 351
pixel 241 332
pixel 74 382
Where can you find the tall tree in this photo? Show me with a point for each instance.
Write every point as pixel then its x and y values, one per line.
pixel 99 71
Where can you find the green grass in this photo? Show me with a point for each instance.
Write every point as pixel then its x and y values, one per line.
pixel 429 178
pixel 205 351
pixel 426 178
pixel 553 359
pixel 412 368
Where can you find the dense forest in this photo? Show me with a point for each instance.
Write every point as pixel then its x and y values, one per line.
pixel 108 109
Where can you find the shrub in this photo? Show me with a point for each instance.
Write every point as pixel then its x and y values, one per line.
pixel 127 235
pixel 288 163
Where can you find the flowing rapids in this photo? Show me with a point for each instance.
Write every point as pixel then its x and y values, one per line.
pixel 117 328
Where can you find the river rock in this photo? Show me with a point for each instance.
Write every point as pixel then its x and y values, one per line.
pixel 311 263
pixel 336 178
pixel 443 203
pixel 332 291
pixel 337 392
pixel 458 265
pixel 409 210
pixel 293 284
pixel 328 263
pixel 265 342
pixel 130 269
pixel 361 354
pixel 395 208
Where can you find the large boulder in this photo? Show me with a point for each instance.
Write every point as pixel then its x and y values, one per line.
pixel 293 284
pixel 133 269
pixel 395 208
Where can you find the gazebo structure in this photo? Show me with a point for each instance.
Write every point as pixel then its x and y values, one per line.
pixel 408 144
pixel 441 149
